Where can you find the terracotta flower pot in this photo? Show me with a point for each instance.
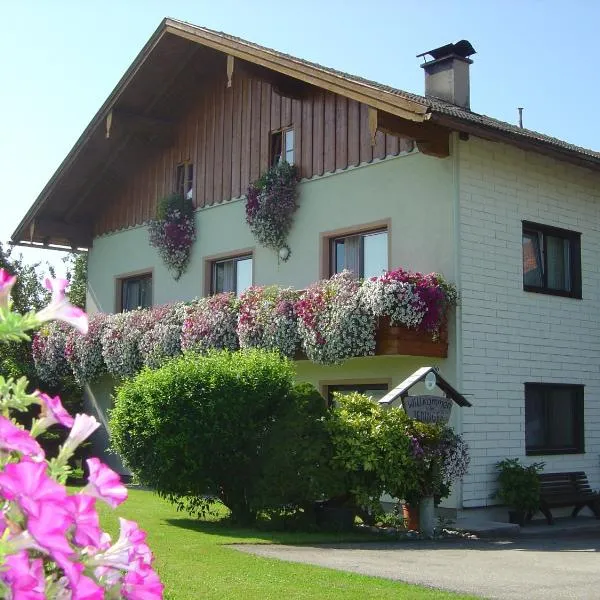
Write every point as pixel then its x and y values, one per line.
pixel 411 516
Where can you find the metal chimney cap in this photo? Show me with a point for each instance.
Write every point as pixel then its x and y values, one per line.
pixel 463 49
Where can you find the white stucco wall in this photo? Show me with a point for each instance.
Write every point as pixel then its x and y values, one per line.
pixel 510 336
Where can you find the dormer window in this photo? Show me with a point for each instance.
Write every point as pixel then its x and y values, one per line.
pixel 184 180
pixel 282 147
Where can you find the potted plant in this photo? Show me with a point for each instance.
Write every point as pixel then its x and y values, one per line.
pixel 519 488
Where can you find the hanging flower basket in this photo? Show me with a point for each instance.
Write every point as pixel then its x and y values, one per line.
pixel 173 232
pixel 270 206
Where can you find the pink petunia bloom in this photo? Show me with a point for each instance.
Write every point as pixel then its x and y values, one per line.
pixel 131 546
pixel 142 583
pixel 87 522
pixel 82 587
pixel 24 578
pixel 104 483
pixel 6 282
pixel 60 308
pixel 83 426
pixel 50 526
pixel 28 484
pixel 53 411
pixel 13 438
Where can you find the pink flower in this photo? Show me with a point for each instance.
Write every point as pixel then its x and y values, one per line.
pixel 53 411
pixel 13 438
pixel 6 283
pixel 87 522
pixel 25 578
pixel 130 547
pixel 49 527
pixel 28 484
pixel 82 587
pixel 104 483
pixel 60 308
pixel 83 426
pixel 142 583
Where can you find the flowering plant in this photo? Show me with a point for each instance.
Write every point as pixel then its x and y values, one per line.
pixel 173 231
pixel 413 300
pixel 270 205
pixel 268 320
pixel 163 339
pixel 49 349
pixel 120 342
pixel 332 321
pixel 51 544
pixel 211 323
pixel 84 352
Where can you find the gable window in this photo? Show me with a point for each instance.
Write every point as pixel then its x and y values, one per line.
pixel 551 260
pixel 231 275
pixel 184 180
pixel 135 292
pixel 375 390
pixel 365 254
pixel 553 418
pixel 282 147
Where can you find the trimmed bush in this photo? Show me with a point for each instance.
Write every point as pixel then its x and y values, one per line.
pixel 225 425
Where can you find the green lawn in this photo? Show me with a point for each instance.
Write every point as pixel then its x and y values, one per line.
pixel 194 561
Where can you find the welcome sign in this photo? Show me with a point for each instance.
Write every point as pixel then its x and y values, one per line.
pixel 428 409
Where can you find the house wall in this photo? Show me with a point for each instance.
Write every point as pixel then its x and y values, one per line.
pixel 510 336
pixel 226 134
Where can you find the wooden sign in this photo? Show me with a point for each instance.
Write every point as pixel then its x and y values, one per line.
pixel 428 409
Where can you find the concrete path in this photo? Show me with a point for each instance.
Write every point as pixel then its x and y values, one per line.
pixel 531 568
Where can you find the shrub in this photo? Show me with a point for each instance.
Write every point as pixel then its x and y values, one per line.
pixel 267 319
pixel 198 428
pixel 519 485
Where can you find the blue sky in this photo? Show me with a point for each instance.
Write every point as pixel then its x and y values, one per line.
pixel 61 59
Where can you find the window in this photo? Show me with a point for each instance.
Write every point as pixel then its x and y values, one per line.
pixel 553 418
pixel 365 254
pixel 135 292
pixel 184 180
pixel 551 260
pixel 375 390
pixel 282 147
pixel 232 275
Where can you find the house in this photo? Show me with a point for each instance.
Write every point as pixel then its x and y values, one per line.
pixel 389 179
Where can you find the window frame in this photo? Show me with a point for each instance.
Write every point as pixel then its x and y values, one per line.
pixel 574 239
pixel 120 280
pixel 360 386
pixel 211 261
pixel 578 425
pixel 281 133
pixel 185 183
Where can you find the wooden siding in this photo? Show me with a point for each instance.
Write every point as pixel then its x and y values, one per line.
pixel 227 136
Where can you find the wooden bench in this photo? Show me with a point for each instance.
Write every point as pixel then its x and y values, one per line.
pixel 567 489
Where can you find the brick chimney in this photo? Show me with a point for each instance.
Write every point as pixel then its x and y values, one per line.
pixel 447 73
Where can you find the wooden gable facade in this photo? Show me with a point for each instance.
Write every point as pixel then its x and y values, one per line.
pixel 225 132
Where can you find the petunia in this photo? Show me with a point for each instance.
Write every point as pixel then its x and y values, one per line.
pixel 142 583
pixel 6 283
pixel 83 426
pixel 60 308
pixel 53 412
pixel 49 527
pixel 130 546
pixel 82 587
pixel 104 483
pixel 87 523
pixel 24 578
pixel 13 438
pixel 28 484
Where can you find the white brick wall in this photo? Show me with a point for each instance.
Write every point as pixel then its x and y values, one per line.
pixel 510 336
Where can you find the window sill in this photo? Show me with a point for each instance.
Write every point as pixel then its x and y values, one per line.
pixel 554 452
pixel 551 292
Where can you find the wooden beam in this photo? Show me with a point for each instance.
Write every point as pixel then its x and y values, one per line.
pixel 431 139
pixel 230 63
pixel 372 124
pixel 79 235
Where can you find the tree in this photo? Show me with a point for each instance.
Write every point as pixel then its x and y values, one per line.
pixel 77 275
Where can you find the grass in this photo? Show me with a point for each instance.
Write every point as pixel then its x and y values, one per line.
pixel 195 563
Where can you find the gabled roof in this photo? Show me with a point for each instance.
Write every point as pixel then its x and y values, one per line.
pixel 62 215
pixel 402 389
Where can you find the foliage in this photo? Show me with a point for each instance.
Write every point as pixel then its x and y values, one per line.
pixel 519 485
pixel 77 265
pixel 173 231
pixel 195 428
pixel 52 545
pixel 332 322
pixel 271 204
pixel 267 319
pixel 413 300
pixel 210 323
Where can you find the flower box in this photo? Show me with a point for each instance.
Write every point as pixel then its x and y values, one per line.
pixel 390 340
